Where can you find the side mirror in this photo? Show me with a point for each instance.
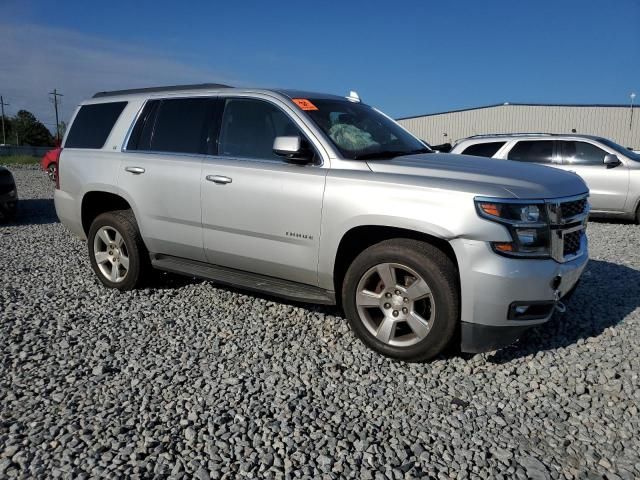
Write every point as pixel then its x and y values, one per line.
pixel 611 160
pixel 293 149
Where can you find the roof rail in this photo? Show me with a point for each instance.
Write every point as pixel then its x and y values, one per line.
pixel 540 134
pixel 168 88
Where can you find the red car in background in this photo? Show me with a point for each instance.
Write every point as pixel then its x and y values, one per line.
pixel 49 162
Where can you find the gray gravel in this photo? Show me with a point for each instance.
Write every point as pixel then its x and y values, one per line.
pixel 186 379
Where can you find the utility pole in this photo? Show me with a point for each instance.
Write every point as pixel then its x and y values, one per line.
pixel 2 105
pixel 632 96
pixel 55 105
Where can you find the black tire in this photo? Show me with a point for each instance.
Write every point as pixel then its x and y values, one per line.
pixel 435 268
pixel 139 265
pixel 638 215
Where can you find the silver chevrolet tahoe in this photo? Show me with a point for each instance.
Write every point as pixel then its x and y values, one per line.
pixel 320 198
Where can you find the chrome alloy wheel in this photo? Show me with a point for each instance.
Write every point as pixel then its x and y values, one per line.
pixel 395 304
pixel 111 254
pixel 52 172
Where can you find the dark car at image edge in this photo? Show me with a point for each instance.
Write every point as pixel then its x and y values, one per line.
pixel 8 195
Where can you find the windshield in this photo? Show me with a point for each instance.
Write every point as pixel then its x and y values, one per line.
pixel 359 131
pixel 619 148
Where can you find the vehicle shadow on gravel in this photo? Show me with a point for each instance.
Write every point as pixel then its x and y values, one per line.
pixel 34 211
pixel 607 294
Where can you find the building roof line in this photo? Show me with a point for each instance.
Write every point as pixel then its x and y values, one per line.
pixel 509 104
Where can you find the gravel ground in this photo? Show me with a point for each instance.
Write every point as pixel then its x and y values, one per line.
pixel 185 379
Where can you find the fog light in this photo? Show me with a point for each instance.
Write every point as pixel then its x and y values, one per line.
pixel 531 310
pixel 521 309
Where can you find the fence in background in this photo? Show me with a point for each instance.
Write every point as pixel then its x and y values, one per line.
pixel 24 150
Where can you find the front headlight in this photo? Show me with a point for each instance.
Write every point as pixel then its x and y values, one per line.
pixel 527 223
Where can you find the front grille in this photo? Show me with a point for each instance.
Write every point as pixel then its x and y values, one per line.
pixel 572 243
pixel 568 221
pixel 573 208
pixel 6 188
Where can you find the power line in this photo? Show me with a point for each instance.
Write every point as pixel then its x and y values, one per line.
pixel 2 105
pixel 55 105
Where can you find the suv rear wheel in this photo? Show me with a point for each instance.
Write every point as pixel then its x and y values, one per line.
pixel 118 255
pixel 52 171
pixel 401 299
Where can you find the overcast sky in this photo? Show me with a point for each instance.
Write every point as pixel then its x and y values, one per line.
pixel 405 57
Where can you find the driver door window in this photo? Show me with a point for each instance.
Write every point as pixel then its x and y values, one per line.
pixel 249 128
pixel 582 153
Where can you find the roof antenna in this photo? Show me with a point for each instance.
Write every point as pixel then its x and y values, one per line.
pixel 353 96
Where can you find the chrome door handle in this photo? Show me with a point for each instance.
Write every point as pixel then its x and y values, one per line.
pixel 219 179
pixel 135 170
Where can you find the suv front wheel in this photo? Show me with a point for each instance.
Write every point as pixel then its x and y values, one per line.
pixel 116 250
pixel 401 299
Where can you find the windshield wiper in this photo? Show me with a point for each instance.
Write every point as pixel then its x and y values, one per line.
pixel 390 154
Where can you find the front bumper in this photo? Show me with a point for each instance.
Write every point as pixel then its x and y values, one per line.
pixel 490 284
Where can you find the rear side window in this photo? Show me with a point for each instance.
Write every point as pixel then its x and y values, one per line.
pixel 582 153
pixel 93 124
pixel 488 149
pixel 176 125
pixel 538 151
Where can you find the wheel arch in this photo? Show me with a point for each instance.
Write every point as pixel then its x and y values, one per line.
pixel 96 202
pixel 357 239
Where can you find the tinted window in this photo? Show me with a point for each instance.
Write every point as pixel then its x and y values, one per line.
pixel 249 128
pixel 582 153
pixel 140 138
pixel 181 126
pixel 539 151
pixel 92 125
pixel 488 149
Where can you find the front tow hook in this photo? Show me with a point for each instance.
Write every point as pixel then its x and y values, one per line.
pixel 561 307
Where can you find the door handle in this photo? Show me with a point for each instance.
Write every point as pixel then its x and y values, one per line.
pixel 135 170
pixel 219 179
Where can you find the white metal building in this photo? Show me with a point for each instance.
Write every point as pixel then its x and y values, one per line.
pixel 620 123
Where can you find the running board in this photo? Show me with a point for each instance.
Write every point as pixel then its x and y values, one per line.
pixel 298 292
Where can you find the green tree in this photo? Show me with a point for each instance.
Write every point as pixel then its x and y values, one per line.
pixel 30 130
pixel 8 131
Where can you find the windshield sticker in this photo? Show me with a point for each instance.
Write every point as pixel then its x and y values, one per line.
pixel 304 104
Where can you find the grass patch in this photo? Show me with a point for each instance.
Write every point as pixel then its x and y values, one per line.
pixel 19 160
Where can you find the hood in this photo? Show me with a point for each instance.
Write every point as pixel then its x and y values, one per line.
pixel 520 180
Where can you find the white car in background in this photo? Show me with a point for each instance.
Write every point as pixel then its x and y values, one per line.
pixel 611 171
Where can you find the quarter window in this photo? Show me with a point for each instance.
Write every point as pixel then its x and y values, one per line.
pixel 249 128
pixel 93 124
pixel 538 151
pixel 582 153
pixel 488 149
